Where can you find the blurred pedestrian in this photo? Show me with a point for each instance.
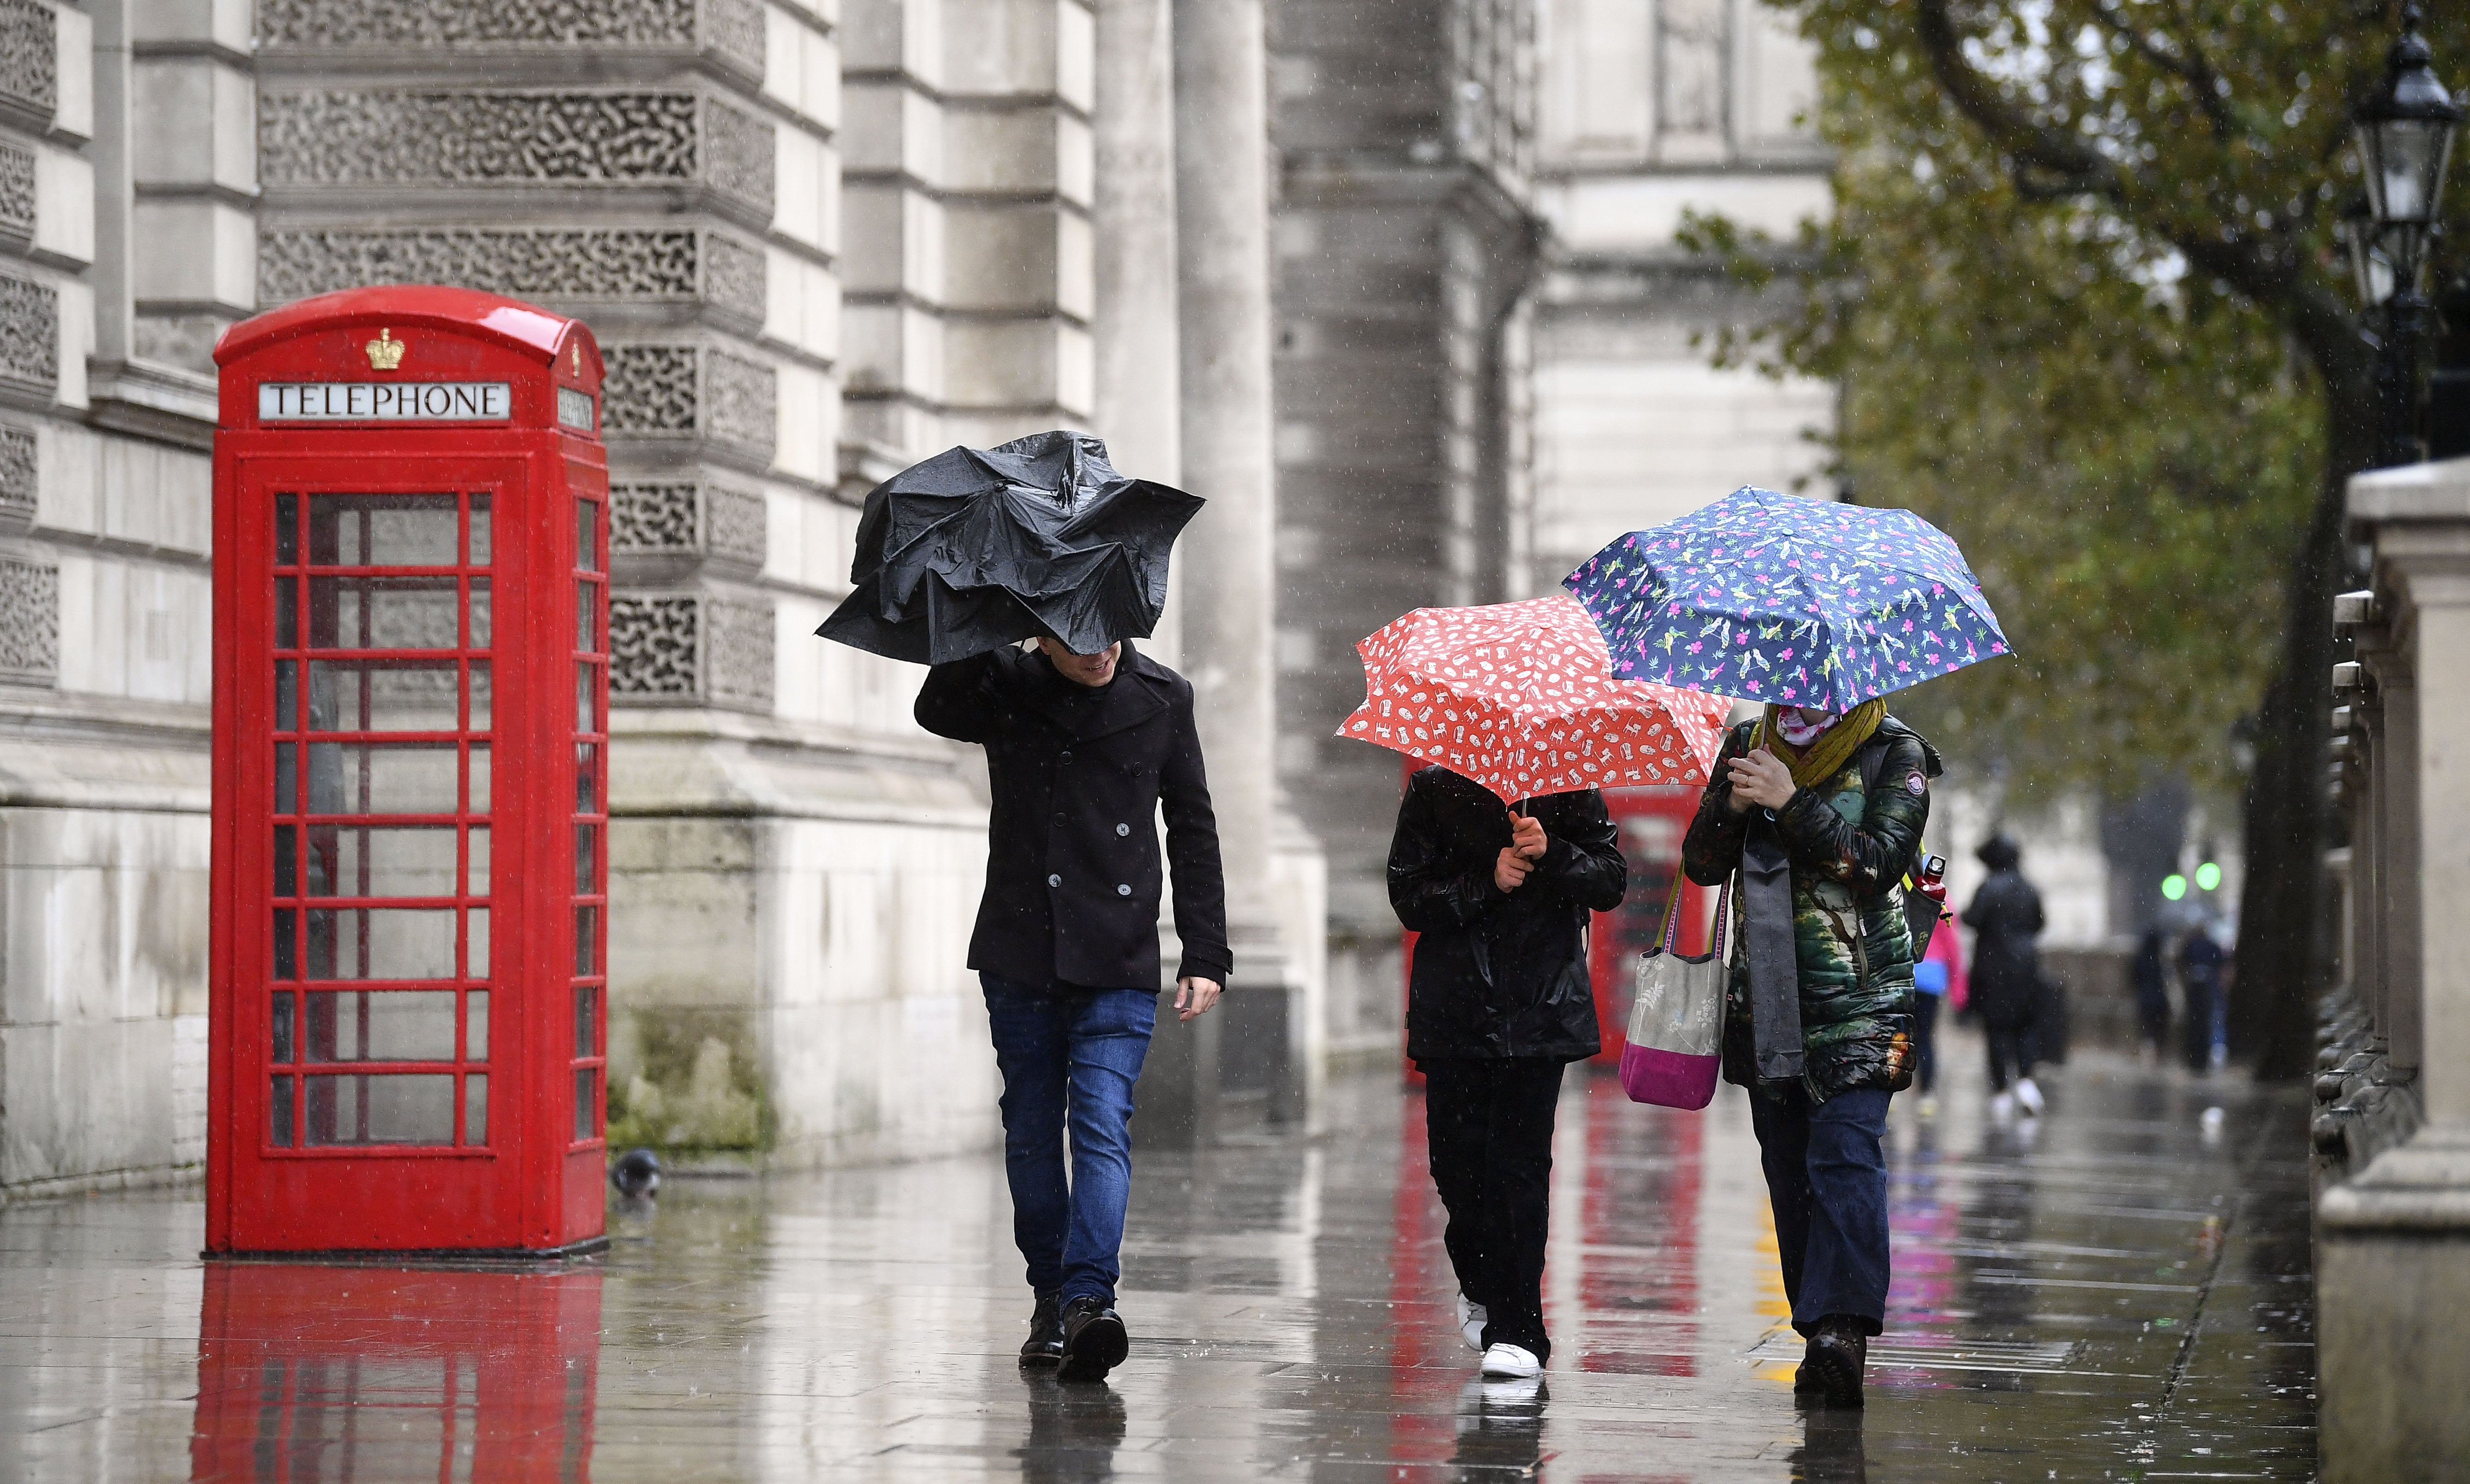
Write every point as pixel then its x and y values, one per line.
pixel 2151 974
pixel 2005 916
pixel 1498 1002
pixel 1938 983
pixel 2200 963
pixel 1082 752
pixel 1820 813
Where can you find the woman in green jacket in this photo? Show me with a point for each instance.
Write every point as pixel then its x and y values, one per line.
pixel 1821 813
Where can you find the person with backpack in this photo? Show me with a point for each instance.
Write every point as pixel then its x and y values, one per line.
pixel 1820 813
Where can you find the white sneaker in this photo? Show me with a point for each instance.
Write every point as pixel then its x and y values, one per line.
pixel 1512 1361
pixel 1512 1392
pixel 1472 1319
pixel 2029 1096
pixel 2002 1107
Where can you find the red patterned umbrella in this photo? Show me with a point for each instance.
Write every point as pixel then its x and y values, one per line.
pixel 1520 698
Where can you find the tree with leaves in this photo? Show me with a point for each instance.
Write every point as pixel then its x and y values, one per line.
pixel 2083 290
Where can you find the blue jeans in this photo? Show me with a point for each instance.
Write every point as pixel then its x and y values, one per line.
pixel 1826 1181
pixel 1069 1054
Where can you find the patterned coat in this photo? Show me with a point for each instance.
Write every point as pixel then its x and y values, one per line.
pixel 1853 949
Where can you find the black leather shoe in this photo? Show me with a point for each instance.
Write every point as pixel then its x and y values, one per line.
pixel 1806 1384
pixel 1044 1346
pixel 1094 1341
pixel 1837 1352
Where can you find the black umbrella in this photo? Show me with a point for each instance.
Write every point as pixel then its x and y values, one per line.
pixel 975 549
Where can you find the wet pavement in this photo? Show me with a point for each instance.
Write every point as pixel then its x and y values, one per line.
pixel 2117 1292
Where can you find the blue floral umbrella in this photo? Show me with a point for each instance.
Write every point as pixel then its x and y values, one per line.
pixel 1784 599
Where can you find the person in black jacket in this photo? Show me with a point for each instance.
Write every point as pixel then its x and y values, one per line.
pixel 1082 751
pixel 1498 1003
pixel 2005 916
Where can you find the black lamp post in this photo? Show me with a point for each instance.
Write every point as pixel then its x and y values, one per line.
pixel 2405 137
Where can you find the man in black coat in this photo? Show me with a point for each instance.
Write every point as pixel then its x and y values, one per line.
pixel 1082 751
pixel 1498 1002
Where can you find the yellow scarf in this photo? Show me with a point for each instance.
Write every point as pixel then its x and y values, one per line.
pixel 1827 756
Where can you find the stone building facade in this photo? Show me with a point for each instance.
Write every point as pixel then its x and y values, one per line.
pixel 1406 247
pixel 818 239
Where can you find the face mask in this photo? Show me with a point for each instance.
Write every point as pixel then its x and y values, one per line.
pixel 1801 733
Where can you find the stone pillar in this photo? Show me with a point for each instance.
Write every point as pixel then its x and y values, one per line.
pixel 2393 1256
pixel 1138 380
pixel 893 193
pixel 2397 844
pixel 1222 223
pixel 1223 215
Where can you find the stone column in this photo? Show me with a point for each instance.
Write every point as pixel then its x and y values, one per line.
pixel 1138 378
pixel 2393 1257
pixel 1222 223
pixel 1223 215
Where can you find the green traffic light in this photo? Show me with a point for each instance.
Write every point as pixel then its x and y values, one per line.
pixel 2207 876
pixel 2173 885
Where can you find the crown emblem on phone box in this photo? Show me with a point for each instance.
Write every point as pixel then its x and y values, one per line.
pixel 386 352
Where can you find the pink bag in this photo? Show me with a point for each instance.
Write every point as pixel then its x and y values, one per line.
pixel 1676 1021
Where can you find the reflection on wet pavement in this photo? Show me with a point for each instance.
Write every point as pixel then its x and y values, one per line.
pixel 2116 1292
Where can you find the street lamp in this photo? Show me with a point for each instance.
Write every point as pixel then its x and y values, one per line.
pixel 2405 138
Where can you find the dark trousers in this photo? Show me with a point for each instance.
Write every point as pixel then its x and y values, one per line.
pixel 1924 1042
pixel 2203 1003
pixel 1489 1124
pixel 1826 1181
pixel 2011 1048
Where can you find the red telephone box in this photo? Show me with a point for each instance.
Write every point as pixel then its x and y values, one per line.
pixel 411 689
pixel 1653 822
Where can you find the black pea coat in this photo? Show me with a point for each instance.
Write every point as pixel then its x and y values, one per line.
pixel 1079 775
pixel 2005 916
pixel 1501 973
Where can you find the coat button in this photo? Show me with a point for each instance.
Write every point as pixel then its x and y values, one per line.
pixel 1054 881
pixel 1123 890
pixel 1066 758
pixel 1123 829
pixel 1059 815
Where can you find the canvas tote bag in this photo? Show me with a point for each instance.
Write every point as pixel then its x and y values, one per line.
pixel 1676 1021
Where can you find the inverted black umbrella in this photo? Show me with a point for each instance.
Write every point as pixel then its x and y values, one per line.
pixel 976 549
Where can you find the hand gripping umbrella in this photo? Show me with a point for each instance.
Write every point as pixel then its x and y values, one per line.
pixel 1788 600
pixel 975 549
pixel 1520 698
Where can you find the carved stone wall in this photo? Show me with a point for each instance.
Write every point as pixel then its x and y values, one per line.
pixel 636 263
pixel 16 189
pixel 742 401
pixel 733 29
pixel 738 640
pixel 30 620
pixel 654 518
pixel 691 649
pixel 684 391
pixel 652 646
pixel 649 390
pixel 687 518
pixel 380 138
pixel 29 56
pixel 17 475
pixel 29 334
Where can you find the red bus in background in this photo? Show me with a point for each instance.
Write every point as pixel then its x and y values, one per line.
pixel 1653 822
